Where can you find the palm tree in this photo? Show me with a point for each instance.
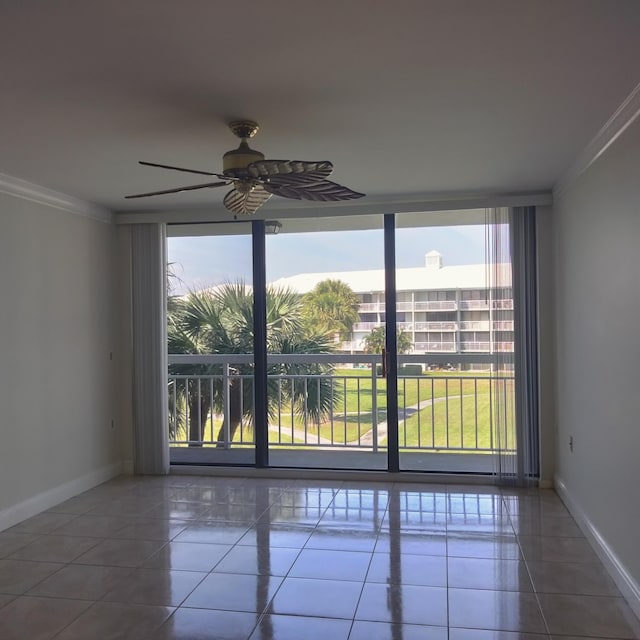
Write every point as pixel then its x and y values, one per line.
pixel 331 307
pixel 220 321
pixel 375 341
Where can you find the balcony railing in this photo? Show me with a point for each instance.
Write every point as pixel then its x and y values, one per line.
pixel 371 307
pixel 484 347
pixel 366 326
pixel 438 412
pixel 471 346
pixel 474 304
pixel 436 326
pixel 475 325
pixel 436 305
pixel 438 347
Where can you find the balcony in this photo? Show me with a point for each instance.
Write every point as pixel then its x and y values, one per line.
pixel 436 305
pixel 475 325
pixel 436 326
pixel 475 347
pixel 371 307
pixel 484 347
pixel 435 347
pixel 440 413
pixel 366 326
pixel 474 304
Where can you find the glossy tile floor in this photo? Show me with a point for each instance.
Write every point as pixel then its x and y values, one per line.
pixel 187 557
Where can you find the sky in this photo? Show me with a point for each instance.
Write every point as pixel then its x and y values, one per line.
pixel 204 261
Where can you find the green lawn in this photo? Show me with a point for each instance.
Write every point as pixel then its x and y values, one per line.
pixel 468 423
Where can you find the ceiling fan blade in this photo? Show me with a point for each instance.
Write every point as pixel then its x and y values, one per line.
pixel 208 185
pixel 246 203
pixel 168 166
pixel 264 168
pixel 319 191
pixel 295 179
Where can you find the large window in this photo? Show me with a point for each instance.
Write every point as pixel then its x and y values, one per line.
pixel 338 391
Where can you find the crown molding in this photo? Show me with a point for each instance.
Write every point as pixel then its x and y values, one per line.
pixel 35 193
pixel 622 118
pixel 367 206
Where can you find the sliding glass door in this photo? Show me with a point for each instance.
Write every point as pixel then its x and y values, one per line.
pixel 210 341
pixel 326 396
pixel 454 325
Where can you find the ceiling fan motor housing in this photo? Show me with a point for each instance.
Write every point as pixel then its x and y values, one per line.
pixel 239 159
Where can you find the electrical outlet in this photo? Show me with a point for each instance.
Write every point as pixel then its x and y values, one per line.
pixel 571 444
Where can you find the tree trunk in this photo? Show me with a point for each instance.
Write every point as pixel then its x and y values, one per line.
pixel 235 413
pixel 198 412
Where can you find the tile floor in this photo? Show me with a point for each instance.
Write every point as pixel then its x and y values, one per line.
pixel 187 557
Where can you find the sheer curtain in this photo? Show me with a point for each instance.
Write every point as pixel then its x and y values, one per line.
pixel 510 275
pixel 149 302
pixel 525 317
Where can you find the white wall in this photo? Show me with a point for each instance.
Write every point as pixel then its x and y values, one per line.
pixel 597 257
pixel 57 383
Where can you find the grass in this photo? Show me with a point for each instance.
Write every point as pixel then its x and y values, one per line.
pixel 457 423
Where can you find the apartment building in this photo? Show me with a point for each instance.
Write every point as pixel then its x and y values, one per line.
pixel 445 309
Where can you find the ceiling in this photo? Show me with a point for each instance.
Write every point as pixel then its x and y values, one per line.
pixel 407 98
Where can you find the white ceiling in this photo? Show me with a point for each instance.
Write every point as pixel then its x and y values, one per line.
pixel 407 98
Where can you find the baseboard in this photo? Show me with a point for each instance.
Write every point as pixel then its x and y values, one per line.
pixel 332 475
pixel 51 497
pixel 624 580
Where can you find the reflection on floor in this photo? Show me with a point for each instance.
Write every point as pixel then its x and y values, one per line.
pixel 186 557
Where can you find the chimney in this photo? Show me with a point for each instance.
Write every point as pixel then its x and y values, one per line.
pixel 433 260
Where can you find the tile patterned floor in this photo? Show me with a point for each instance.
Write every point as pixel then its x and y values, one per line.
pixel 189 558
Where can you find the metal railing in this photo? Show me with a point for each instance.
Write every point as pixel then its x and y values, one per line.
pixel 447 347
pixel 366 326
pixel 474 304
pixel 436 305
pixel 475 325
pixel 371 307
pixel 444 411
pixel 436 326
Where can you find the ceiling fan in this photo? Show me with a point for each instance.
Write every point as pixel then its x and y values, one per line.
pixel 254 180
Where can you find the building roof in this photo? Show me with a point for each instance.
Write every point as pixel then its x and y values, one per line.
pixel 468 276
